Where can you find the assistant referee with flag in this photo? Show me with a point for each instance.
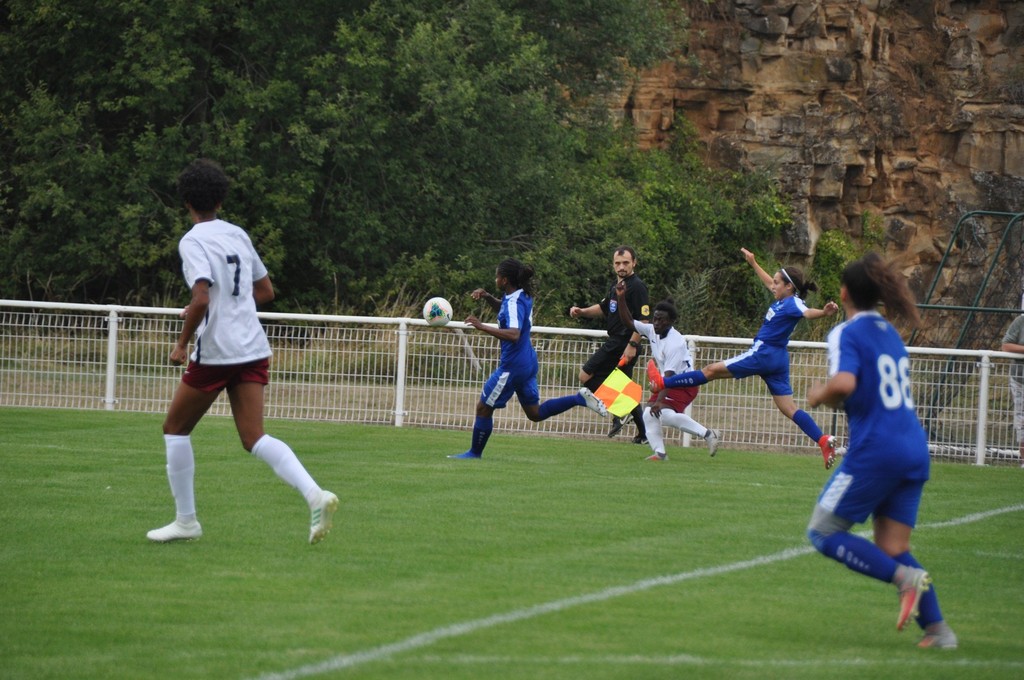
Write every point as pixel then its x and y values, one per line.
pixel 623 344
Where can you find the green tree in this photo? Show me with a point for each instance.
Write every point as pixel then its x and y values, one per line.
pixel 103 102
pixel 381 151
pixel 436 140
pixel 596 45
pixel 682 218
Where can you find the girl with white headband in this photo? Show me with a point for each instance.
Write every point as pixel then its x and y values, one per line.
pixel 768 356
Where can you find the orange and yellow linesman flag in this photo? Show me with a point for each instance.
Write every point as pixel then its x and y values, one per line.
pixel 619 394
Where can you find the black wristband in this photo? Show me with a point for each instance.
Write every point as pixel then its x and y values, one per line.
pixel 634 343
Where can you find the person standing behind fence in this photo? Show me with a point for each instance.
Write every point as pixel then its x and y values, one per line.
pixel 768 358
pixel 622 348
pixel 228 280
pixel 887 463
pixel 517 366
pixel 1013 341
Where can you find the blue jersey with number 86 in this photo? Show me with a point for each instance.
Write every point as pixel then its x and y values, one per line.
pixel 885 431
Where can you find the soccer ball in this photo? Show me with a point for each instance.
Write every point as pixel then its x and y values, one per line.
pixel 437 311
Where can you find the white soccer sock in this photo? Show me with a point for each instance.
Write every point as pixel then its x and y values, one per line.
pixel 181 469
pixel 683 422
pixel 286 465
pixel 655 438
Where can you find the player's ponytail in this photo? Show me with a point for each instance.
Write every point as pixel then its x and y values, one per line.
pixel 796 276
pixel 518 274
pixel 871 280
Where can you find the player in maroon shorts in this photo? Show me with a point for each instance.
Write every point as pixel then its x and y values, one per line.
pixel 228 280
pixel 667 407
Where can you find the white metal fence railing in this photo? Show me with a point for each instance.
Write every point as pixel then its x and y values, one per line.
pixel 399 371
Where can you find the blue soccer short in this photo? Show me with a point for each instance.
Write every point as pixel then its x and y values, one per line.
pixel 770 363
pixel 858 496
pixel 503 383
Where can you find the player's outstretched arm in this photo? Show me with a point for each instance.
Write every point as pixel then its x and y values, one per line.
pixel 509 334
pixel 829 309
pixel 751 259
pixel 492 301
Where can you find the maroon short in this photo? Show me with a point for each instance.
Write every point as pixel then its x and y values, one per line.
pixel 207 378
pixel 678 398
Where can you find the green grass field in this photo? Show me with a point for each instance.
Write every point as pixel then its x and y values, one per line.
pixel 546 559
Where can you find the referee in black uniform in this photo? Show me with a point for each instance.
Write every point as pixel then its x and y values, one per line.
pixel 622 343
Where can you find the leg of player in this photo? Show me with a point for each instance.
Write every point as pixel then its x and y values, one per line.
pixel 830 535
pixel 803 420
pixel 715 371
pixel 683 422
pixel 918 597
pixel 655 437
pixel 188 405
pixel 483 425
pixel 591 377
pixel 558 405
pixel 247 401
pixel 180 474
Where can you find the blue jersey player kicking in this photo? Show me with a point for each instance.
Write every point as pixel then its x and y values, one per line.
pixel 517 368
pixel 886 464
pixel 768 356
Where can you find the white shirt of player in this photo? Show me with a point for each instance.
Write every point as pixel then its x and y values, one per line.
pixel 670 352
pixel 223 254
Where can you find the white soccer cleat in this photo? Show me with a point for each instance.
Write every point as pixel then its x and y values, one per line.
pixel 322 516
pixel 593 403
pixel 712 437
pixel 176 531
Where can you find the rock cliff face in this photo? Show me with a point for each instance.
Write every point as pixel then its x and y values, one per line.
pixel 904 114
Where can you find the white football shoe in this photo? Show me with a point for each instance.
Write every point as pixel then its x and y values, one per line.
pixel 321 517
pixel 176 531
pixel 712 437
pixel 593 403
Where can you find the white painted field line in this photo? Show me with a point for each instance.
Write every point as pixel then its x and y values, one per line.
pixel 829 661
pixel 465 628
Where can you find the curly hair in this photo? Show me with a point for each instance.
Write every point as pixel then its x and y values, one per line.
pixel 203 185
pixel 668 305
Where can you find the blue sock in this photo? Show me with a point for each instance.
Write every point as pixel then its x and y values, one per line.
pixel 688 379
pixel 482 428
pixel 858 554
pixel 806 423
pixel 552 407
pixel 928 609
